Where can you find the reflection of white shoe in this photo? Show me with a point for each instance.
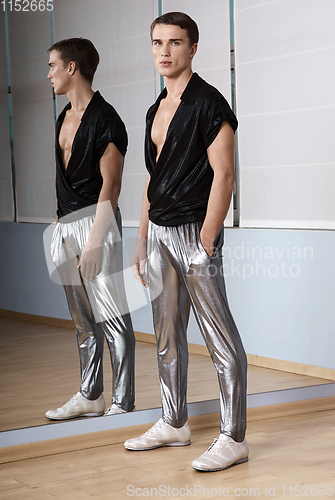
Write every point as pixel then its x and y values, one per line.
pixel 160 434
pixel 78 406
pixel 221 454
pixel 115 409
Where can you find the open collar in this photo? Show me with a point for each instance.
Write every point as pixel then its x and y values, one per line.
pixel 188 95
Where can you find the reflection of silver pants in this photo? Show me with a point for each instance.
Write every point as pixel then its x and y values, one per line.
pixel 98 308
pixel 188 276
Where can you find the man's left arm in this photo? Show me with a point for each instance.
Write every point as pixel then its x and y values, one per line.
pixel 221 158
pixel 111 164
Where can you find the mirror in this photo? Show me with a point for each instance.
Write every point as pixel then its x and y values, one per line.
pixel 283 313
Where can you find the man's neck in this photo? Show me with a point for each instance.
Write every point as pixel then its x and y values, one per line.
pixel 80 97
pixel 176 86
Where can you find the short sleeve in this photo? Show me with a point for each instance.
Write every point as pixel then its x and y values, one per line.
pixel 215 111
pixel 111 130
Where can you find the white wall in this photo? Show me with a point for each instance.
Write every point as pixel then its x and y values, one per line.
pixel 285 82
pixel 33 117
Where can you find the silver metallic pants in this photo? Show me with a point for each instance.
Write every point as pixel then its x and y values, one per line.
pixel 179 265
pixel 98 308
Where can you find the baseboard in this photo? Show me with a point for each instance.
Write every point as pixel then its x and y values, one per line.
pixel 292 367
pixel 115 436
pixel 34 318
pixel 292 408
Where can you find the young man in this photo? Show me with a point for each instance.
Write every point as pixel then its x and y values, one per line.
pixel 91 142
pixel 189 150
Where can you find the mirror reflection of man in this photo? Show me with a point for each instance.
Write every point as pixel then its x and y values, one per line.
pixel 189 150
pixel 91 141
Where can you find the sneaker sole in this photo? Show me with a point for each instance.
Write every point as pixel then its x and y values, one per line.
pixel 176 443
pixel 241 461
pixel 117 413
pixel 106 414
pixel 98 414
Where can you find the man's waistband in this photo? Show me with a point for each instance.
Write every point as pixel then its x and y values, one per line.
pixel 80 214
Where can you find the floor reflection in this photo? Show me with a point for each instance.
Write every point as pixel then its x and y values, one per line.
pixel 39 369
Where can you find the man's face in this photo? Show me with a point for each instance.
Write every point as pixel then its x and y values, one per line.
pixel 171 50
pixel 58 73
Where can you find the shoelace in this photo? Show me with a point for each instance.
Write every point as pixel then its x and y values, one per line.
pixel 156 426
pixel 72 400
pixel 215 446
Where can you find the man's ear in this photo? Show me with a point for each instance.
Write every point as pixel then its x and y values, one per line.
pixel 72 67
pixel 193 50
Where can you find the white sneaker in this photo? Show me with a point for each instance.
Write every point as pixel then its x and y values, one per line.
pixel 115 409
pixel 160 434
pixel 78 406
pixel 221 454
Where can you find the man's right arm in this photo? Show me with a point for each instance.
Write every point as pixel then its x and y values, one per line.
pixel 140 256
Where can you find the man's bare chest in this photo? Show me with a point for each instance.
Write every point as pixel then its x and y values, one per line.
pixel 162 120
pixel 67 134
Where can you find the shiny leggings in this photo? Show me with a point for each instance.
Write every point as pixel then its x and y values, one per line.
pixel 182 274
pixel 98 308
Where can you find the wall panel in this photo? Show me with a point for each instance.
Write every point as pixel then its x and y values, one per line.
pixel 285 83
pixel 33 119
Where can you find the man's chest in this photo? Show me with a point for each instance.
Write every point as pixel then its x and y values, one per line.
pixel 163 117
pixel 69 130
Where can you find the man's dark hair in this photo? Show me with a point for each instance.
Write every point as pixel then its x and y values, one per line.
pixel 82 52
pixel 178 19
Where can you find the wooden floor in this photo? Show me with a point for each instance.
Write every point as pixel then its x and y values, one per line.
pixel 39 370
pixel 284 452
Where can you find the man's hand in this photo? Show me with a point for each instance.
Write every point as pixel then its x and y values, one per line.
pixel 111 169
pixel 90 262
pixel 207 242
pixel 139 261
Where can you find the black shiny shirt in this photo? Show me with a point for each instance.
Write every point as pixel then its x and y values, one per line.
pixel 181 179
pixel 80 184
